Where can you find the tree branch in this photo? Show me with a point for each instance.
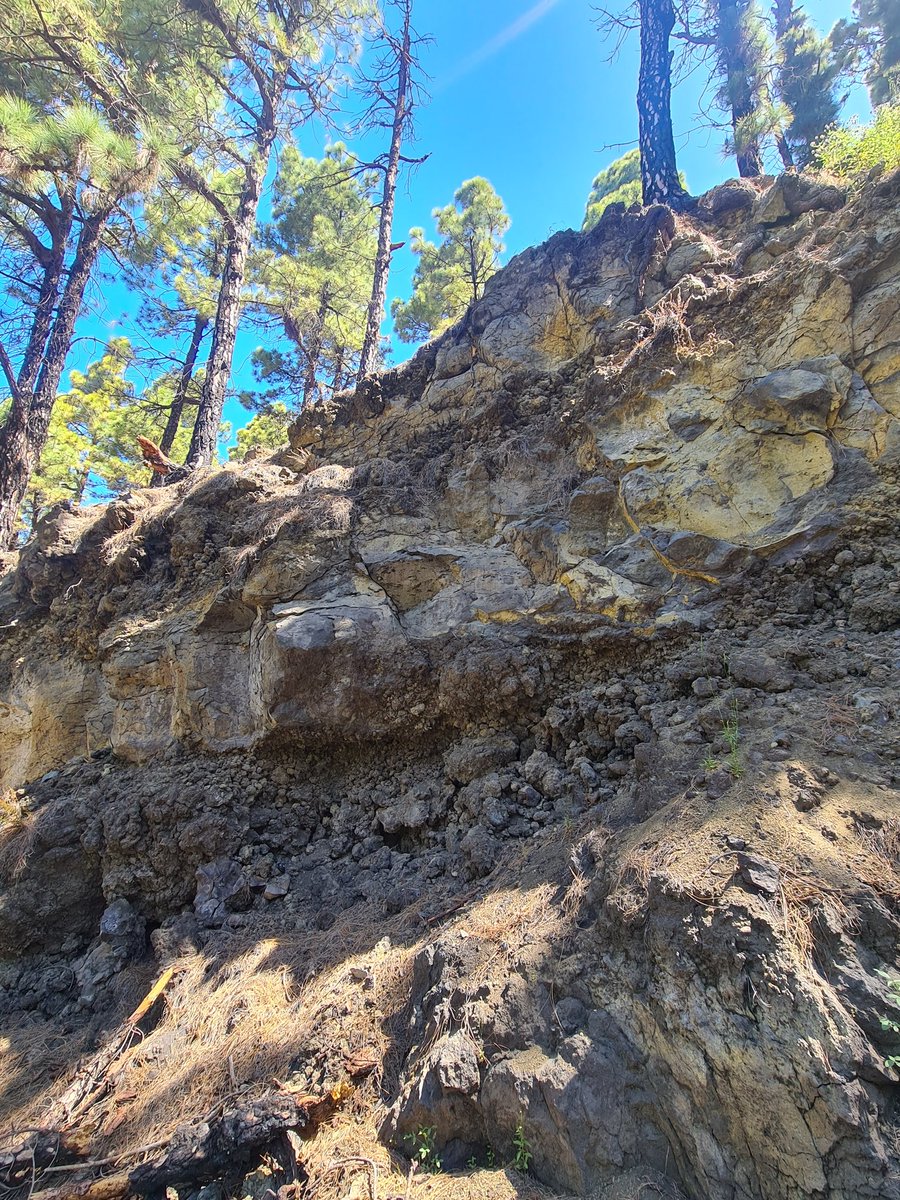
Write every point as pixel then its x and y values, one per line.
pixel 8 371
pixel 192 179
pixel 34 243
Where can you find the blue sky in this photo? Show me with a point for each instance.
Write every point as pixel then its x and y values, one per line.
pixel 520 93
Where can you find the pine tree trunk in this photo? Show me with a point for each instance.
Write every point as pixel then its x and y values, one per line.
pixel 173 421
pixel 337 375
pixel 659 172
pixel 47 297
pixel 737 70
pixel 16 466
pixel 314 352
pixel 784 15
pixel 748 158
pixel 37 505
pixel 24 434
pixel 228 312
pixel 228 308
pixel 81 486
pixel 375 314
pixel 473 271
pixel 784 150
pixel 60 341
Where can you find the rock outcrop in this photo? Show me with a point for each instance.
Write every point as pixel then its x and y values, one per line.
pixel 605 578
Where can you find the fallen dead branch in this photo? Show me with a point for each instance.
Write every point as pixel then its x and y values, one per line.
pixel 196 1153
pixel 94 1163
pixel 199 1153
pixel 92 1079
pixel 112 1187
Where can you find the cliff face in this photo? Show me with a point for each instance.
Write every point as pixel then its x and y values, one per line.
pixel 566 650
pixel 628 423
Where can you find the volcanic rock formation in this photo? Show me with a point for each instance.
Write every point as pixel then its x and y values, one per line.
pixel 555 668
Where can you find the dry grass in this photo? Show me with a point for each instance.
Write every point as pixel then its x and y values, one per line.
pixel 17 834
pixel 514 450
pixel 509 914
pixel 12 816
pixel 668 322
pixel 557 495
pixel 265 523
pixel 304 512
pixel 820 880
pixel 804 903
pixel 344 1154
pixel 150 504
pixel 274 1009
pixel 269 1010
pixel 31 1063
pixel 396 486
pixel 877 861
pixel 382 473
pixel 519 454
pixel 634 870
pixel 277 1010
pixel 480 1185
pixel 836 715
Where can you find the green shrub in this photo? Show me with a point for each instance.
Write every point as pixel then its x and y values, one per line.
pixel 855 148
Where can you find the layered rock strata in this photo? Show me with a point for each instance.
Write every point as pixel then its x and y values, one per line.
pixel 607 572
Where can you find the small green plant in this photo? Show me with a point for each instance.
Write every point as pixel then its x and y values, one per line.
pixel 734 764
pixel 732 735
pixel 888 1023
pixel 523 1155
pixel 472 1163
pixel 491 1157
pixel 422 1149
pixel 853 149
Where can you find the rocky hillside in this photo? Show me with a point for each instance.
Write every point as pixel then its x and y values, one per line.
pixel 513 759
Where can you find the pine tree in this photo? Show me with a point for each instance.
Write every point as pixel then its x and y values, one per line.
pixel 653 165
pixel 76 148
pixel 66 175
pixel 875 36
pixel 395 90
pixel 805 80
pixel 741 58
pixel 312 274
pixel 452 273
pixel 90 452
pixel 266 431
pixel 619 183
pixel 282 60
pixel 175 264
pixel 659 174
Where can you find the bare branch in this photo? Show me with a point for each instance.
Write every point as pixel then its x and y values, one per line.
pixel 9 372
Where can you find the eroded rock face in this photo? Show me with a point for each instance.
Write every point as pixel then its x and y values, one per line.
pixel 618 551
pixel 563 451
